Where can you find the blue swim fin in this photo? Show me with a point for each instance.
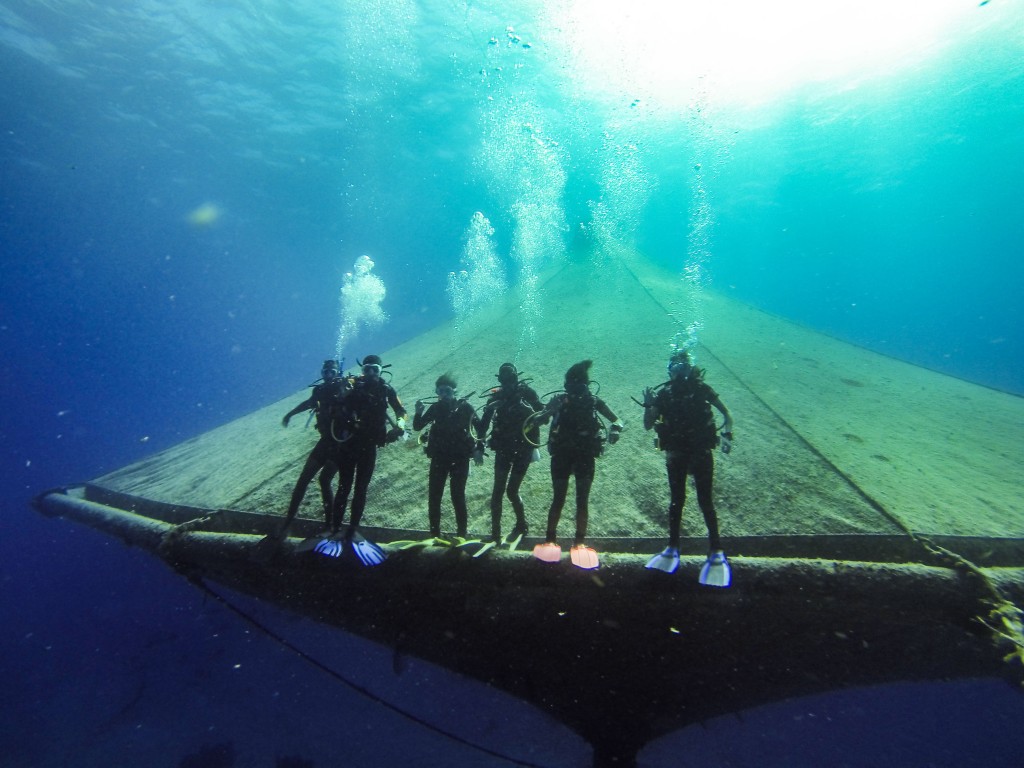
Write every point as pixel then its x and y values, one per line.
pixel 367 552
pixel 667 561
pixel 716 571
pixel 329 547
pixel 315 543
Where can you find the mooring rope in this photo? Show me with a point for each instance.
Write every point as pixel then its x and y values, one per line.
pixel 284 642
pixel 867 497
pixel 998 614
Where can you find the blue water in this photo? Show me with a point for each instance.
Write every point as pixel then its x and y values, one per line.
pixel 880 206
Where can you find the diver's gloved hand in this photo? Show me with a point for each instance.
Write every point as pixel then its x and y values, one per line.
pixel 419 407
pixel 648 397
pixel 614 432
pixel 726 442
pixel 478 453
pixel 400 424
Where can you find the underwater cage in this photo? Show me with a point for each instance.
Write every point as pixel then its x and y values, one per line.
pixel 870 509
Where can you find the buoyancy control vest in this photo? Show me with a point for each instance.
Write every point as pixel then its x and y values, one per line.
pixel 363 414
pixel 576 427
pixel 509 414
pixel 450 432
pixel 685 421
pixel 328 402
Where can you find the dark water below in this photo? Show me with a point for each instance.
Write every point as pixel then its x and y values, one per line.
pixel 184 189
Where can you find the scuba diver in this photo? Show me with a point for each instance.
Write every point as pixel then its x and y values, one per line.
pixel 450 445
pixel 514 444
pixel 359 429
pixel 327 394
pixel 679 411
pixel 575 440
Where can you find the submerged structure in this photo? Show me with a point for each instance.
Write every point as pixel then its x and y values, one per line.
pixel 872 511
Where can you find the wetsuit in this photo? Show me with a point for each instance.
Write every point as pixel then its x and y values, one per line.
pixel 687 433
pixel 575 442
pixel 323 397
pixel 450 446
pixel 509 408
pixel 365 429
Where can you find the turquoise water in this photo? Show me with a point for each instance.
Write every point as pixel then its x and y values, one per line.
pixel 185 186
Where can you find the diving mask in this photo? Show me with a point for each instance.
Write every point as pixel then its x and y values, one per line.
pixel 679 369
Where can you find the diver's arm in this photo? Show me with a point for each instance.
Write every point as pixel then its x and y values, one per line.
pixel 650 417
pixel 397 407
pixel 550 410
pixel 727 426
pixel 421 419
pixel 616 427
pixel 473 425
pixel 396 403
pixel 305 405
pixel 485 421
pixel 604 410
pixel 531 398
pixel 651 412
pixel 725 436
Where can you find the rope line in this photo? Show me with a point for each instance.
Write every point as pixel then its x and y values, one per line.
pixel 999 615
pixel 201 584
pixel 867 497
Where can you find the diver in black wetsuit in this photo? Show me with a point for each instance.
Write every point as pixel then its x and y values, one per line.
pixel 680 412
pixel 325 396
pixel 509 406
pixel 450 445
pixel 575 441
pixel 360 428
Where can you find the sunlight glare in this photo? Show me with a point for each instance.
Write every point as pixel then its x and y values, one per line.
pixel 749 50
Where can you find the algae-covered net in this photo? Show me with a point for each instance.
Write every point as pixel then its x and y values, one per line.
pixel 831 440
pixel 864 498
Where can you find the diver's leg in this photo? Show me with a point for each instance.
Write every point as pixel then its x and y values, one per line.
pixel 329 470
pixel 502 467
pixel 704 478
pixel 367 461
pixel 435 492
pixel 676 466
pixel 459 475
pixel 314 462
pixel 327 473
pixel 346 477
pixel 560 469
pixel 584 471
pixel 520 463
